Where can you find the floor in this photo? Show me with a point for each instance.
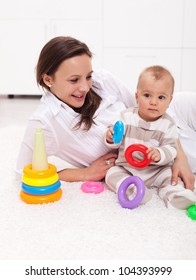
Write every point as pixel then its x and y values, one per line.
pixel 16 110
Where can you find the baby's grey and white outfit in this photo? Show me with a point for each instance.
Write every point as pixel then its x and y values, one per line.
pixel 161 134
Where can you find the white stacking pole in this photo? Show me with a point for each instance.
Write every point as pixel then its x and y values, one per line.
pixel 39 161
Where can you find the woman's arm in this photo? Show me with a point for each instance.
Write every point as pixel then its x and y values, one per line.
pixel 182 169
pixel 95 172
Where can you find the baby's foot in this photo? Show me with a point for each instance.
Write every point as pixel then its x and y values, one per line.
pixel 183 199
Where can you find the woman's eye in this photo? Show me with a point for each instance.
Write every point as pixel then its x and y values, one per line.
pixel 74 80
pixel 89 77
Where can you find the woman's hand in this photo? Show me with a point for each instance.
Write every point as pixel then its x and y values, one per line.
pixel 181 168
pixel 97 170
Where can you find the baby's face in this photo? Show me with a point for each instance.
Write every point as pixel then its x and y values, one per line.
pixel 153 97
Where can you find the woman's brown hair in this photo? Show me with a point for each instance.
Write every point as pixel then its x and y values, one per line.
pixel 52 55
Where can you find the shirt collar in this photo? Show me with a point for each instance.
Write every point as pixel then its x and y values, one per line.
pixel 56 105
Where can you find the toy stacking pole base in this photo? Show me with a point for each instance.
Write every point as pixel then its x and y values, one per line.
pixel 40 186
pixel 40 199
pixel 40 180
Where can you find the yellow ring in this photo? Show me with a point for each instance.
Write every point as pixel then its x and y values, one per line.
pixel 39 173
pixel 40 182
pixel 40 199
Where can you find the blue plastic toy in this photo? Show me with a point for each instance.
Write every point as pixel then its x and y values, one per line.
pixel 118 132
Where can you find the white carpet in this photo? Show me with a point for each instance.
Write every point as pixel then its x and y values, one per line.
pixel 85 226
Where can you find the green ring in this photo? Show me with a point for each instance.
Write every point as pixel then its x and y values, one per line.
pixel 191 211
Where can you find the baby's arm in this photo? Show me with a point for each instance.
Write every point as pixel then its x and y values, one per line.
pixel 108 138
pixel 167 143
pixel 109 134
pixel 154 154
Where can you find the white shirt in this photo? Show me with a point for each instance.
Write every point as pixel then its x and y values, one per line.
pixel 57 120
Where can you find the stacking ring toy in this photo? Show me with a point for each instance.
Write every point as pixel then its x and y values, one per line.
pixel 92 187
pixel 131 160
pixel 38 174
pixel 41 190
pixel 40 182
pixel 40 199
pixel 118 132
pixel 124 201
pixel 191 211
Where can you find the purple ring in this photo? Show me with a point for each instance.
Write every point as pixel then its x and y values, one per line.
pixel 123 200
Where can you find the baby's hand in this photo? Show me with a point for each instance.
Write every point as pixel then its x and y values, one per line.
pixel 154 154
pixel 109 134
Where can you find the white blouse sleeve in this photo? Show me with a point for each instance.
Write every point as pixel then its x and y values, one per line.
pixel 113 85
pixel 183 110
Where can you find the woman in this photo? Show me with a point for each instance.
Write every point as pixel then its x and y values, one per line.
pixel 75 111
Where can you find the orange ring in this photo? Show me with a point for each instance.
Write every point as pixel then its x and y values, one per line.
pixel 29 172
pixel 40 199
pixel 40 182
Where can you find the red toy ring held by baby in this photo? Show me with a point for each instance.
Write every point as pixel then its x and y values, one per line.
pixel 134 162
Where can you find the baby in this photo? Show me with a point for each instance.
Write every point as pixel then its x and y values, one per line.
pixel 150 125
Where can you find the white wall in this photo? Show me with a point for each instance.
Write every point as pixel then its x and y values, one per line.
pixel 125 35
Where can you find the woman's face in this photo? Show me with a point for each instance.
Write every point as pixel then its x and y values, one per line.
pixel 72 80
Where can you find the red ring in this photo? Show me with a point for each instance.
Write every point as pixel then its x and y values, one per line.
pixel 132 161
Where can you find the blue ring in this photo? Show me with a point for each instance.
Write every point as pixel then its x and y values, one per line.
pixel 41 190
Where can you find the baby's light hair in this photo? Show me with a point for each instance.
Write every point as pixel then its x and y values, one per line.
pixel 158 72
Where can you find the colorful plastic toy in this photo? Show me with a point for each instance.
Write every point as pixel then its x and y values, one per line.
pixel 41 190
pixel 92 187
pixel 134 162
pixel 40 181
pixel 40 199
pixel 38 174
pixel 118 132
pixel 39 161
pixel 191 211
pixel 122 197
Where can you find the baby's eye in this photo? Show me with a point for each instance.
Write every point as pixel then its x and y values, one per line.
pixel 146 95
pixel 161 97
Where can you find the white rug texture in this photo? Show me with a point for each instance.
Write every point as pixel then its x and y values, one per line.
pixel 85 226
